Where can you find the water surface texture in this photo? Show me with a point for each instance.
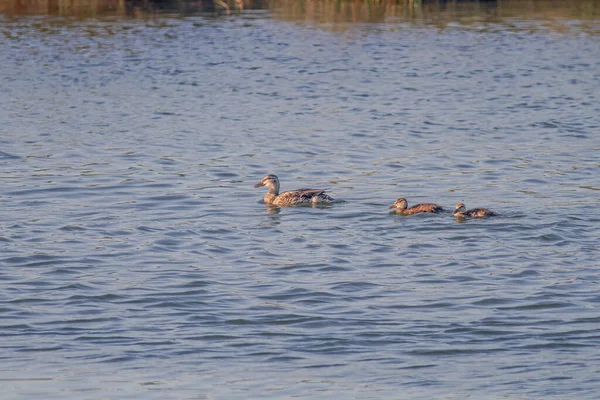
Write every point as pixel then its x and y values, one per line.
pixel 137 261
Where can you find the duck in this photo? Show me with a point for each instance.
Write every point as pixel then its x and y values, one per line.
pixel 462 212
pixel 298 197
pixel 401 207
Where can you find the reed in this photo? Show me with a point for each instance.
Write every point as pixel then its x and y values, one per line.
pixel 133 8
pixel 434 12
pixel 327 11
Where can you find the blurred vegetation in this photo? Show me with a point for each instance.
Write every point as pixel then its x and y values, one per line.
pixel 323 11
pixel 435 11
pixel 131 8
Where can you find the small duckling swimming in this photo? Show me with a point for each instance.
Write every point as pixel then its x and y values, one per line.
pixel 461 212
pixel 401 206
pixel 299 197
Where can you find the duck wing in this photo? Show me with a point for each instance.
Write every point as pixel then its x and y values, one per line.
pixel 299 196
pixel 480 212
pixel 304 193
pixel 310 192
pixel 426 207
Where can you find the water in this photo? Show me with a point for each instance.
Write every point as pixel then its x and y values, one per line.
pixel 137 260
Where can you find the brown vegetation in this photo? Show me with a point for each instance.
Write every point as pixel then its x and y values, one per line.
pixel 325 11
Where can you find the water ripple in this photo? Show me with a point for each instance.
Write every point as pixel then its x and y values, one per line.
pixel 134 245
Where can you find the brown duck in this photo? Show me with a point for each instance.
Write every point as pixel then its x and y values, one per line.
pixel 401 207
pixel 299 197
pixel 462 212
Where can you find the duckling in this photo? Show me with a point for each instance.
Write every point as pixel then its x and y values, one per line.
pixel 461 212
pixel 297 197
pixel 401 207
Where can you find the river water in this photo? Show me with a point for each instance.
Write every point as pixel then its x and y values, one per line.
pixel 137 260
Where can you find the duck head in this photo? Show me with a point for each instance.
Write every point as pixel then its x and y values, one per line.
pixel 460 208
pixel 271 181
pixel 399 205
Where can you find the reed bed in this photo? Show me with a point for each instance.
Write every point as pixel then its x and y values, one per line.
pixel 324 11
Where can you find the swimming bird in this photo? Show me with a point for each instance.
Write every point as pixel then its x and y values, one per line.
pixel 401 207
pixel 461 212
pixel 297 197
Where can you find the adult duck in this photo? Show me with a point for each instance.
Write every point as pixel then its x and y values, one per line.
pixel 299 197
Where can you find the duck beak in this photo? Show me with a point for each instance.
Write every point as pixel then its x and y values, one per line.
pixel 392 206
pixel 259 184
